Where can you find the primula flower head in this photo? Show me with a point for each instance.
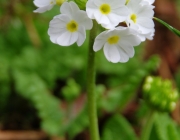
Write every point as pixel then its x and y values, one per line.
pixel 108 13
pixel 70 26
pixel 117 44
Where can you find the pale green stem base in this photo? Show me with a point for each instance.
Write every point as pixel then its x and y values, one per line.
pixel 148 127
pixel 92 107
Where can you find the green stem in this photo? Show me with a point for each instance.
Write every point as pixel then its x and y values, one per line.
pixel 92 107
pixel 148 126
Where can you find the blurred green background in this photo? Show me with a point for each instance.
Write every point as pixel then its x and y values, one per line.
pixel 43 85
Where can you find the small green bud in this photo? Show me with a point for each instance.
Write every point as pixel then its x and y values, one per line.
pixel 174 96
pixel 81 4
pixel 172 106
pixel 160 94
pixel 149 79
pixel 60 2
pixel 147 86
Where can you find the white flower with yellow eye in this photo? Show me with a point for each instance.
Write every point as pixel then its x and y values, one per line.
pixel 70 26
pixel 108 13
pixel 140 19
pixel 46 5
pixel 117 44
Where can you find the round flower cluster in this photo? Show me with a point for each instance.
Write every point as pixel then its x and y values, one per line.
pixel 117 41
pixel 160 94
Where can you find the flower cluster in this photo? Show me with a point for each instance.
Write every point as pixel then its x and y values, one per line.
pixel 160 94
pixel 117 41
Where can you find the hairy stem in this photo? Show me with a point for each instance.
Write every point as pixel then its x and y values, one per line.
pixel 92 108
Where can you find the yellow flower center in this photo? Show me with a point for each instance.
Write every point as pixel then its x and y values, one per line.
pixel 133 18
pixel 113 39
pixel 60 2
pixel 127 1
pixel 105 9
pixel 72 26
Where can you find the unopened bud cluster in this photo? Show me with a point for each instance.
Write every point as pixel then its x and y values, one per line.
pixel 160 94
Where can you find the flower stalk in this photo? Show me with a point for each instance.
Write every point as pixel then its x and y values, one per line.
pixel 148 126
pixel 92 107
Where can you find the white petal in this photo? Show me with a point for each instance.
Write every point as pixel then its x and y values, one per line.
pixel 142 37
pixel 69 8
pixel 41 3
pixel 145 11
pixel 98 2
pixel 113 19
pixel 100 18
pixel 116 4
pixel 123 56
pixel 131 39
pixel 111 52
pixel 43 9
pixel 146 25
pixel 133 5
pixel 83 20
pixel 124 31
pixel 81 35
pixel 91 8
pixel 149 1
pixel 67 38
pixel 122 13
pixel 150 35
pixel 59 21
pixel 109 26
pixel 127 49
pixel 100 40
pixel 54 34
pixel 134 26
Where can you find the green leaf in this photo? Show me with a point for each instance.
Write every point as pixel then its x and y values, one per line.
pixel 147 131
pixel 153 134
pixel 174 30
pixel 33 88
pixel 118 128
pixel 166 129
pixel 163 128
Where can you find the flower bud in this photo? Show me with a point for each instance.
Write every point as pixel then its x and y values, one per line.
pixel 160 94
pixel 60 2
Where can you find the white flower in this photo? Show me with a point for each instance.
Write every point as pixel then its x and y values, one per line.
pixel 140 19
pixel 46 5
pixel 108 13
pixel 117 44
pixel 70 26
